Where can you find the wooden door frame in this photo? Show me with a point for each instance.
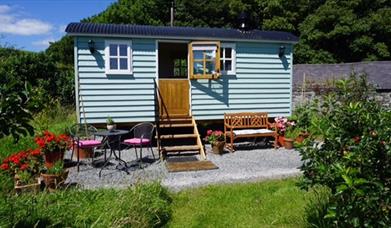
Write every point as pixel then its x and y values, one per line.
pixel 188 59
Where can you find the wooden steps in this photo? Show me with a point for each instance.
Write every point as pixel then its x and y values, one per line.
pixel 168 125
pixel 180 148
pixel 179 136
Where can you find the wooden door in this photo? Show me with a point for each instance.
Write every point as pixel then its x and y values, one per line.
pixel 174 97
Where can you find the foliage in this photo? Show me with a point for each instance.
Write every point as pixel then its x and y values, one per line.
pixel 110 121
pixel 276 203
pixel 144 205
pixel 302 114
pixel 49 142
pixel 15 115
pixel 316 207
pixel 354 157
pixel 214 136
pixel 292 132
pixel 57 168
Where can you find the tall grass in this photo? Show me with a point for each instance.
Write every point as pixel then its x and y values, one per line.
pixel 144 205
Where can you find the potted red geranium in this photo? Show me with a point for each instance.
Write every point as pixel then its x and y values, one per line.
pixel 25 167
pixel 216 140
pixel 52 146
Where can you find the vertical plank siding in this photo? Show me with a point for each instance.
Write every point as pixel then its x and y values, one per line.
pixel 126 98
pixel 262 84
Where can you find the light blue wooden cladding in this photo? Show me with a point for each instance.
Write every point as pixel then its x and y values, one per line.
pixel 126 98
pixel 262 83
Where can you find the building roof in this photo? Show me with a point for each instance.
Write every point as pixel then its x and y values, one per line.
pixel 124 30
pixel 378 72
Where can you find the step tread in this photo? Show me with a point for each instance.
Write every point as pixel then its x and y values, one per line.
pixel 178 136
pixel 180 148
pixel 176 125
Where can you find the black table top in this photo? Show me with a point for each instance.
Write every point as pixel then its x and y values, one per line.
pixel 112 133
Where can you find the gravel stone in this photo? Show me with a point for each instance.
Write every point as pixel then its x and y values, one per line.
pixel 241 166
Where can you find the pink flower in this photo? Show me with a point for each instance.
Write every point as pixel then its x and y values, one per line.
pixel 209 132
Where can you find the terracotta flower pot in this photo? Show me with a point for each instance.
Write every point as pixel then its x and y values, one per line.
pixel 52 158
pixel 288 143
pixel 302 136
pixel 83 153
pixel 281 140
pixel 52 181
pixel 218 147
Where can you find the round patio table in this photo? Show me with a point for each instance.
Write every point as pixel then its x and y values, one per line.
pixel 112 141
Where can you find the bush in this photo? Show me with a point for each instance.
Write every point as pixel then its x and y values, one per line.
pixel 316 207
pixel 144 205
pixel 351 155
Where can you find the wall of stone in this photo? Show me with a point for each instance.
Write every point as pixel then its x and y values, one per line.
pixel 384 97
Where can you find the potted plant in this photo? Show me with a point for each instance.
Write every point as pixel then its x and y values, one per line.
pixel 110 124
pixel 24 167
pixel 290 137
pixel 55 175
pixel 53 147
pixel 281 124
pixel 216 140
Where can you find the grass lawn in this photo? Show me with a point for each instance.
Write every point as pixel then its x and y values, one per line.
pixel 277 203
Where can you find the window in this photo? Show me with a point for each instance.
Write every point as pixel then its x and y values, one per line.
pixel 227 58
pixel 180 68
pixel 118 56
pixel 204 60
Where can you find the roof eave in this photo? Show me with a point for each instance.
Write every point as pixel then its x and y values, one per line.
pixel 181 38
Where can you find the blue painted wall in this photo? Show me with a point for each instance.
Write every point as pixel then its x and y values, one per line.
pixel 262 83
pixel 126 98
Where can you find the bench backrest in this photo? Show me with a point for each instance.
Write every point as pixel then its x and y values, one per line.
pixel 247 120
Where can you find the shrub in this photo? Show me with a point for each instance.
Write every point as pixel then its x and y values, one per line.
pixel 144 205
pixel 316 207
pixel 353 156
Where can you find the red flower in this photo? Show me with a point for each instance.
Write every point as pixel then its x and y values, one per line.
pixel 36 152
pixel 4 166
pixel 209 132
pixel 24 167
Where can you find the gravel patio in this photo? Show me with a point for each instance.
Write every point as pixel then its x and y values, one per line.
pixel 241 166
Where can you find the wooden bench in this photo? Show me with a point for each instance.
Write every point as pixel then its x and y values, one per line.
pixel 247 125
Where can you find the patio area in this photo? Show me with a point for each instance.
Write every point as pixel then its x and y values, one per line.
pixel 241 166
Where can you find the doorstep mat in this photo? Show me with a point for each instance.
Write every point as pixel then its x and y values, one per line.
pixel 188 164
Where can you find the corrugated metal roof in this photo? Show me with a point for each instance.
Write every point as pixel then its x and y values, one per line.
pixel 178 32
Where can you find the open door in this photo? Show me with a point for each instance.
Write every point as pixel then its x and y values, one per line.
pixel 173 79
pixel 204 60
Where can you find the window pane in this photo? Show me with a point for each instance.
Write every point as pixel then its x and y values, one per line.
pixel 221 53
pixel 210 54
pixel 113 63
pixel 222 65
pixel 198 68
pixel 198 55
pixel 123 63
pixel 228 52
pixel 228 65
pixel 123 50
pixel 113 50
pixel 210 68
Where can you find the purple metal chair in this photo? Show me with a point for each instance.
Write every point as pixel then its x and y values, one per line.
pixel 141 137
pixel 83 137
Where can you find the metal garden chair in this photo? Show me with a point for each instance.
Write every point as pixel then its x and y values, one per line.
pixel 142 137
pixel 83 137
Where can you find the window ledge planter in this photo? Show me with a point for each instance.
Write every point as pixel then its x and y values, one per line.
pixel 53 181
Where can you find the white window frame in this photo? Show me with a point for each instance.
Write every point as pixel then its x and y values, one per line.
pixel 233 58
pixel 129 57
